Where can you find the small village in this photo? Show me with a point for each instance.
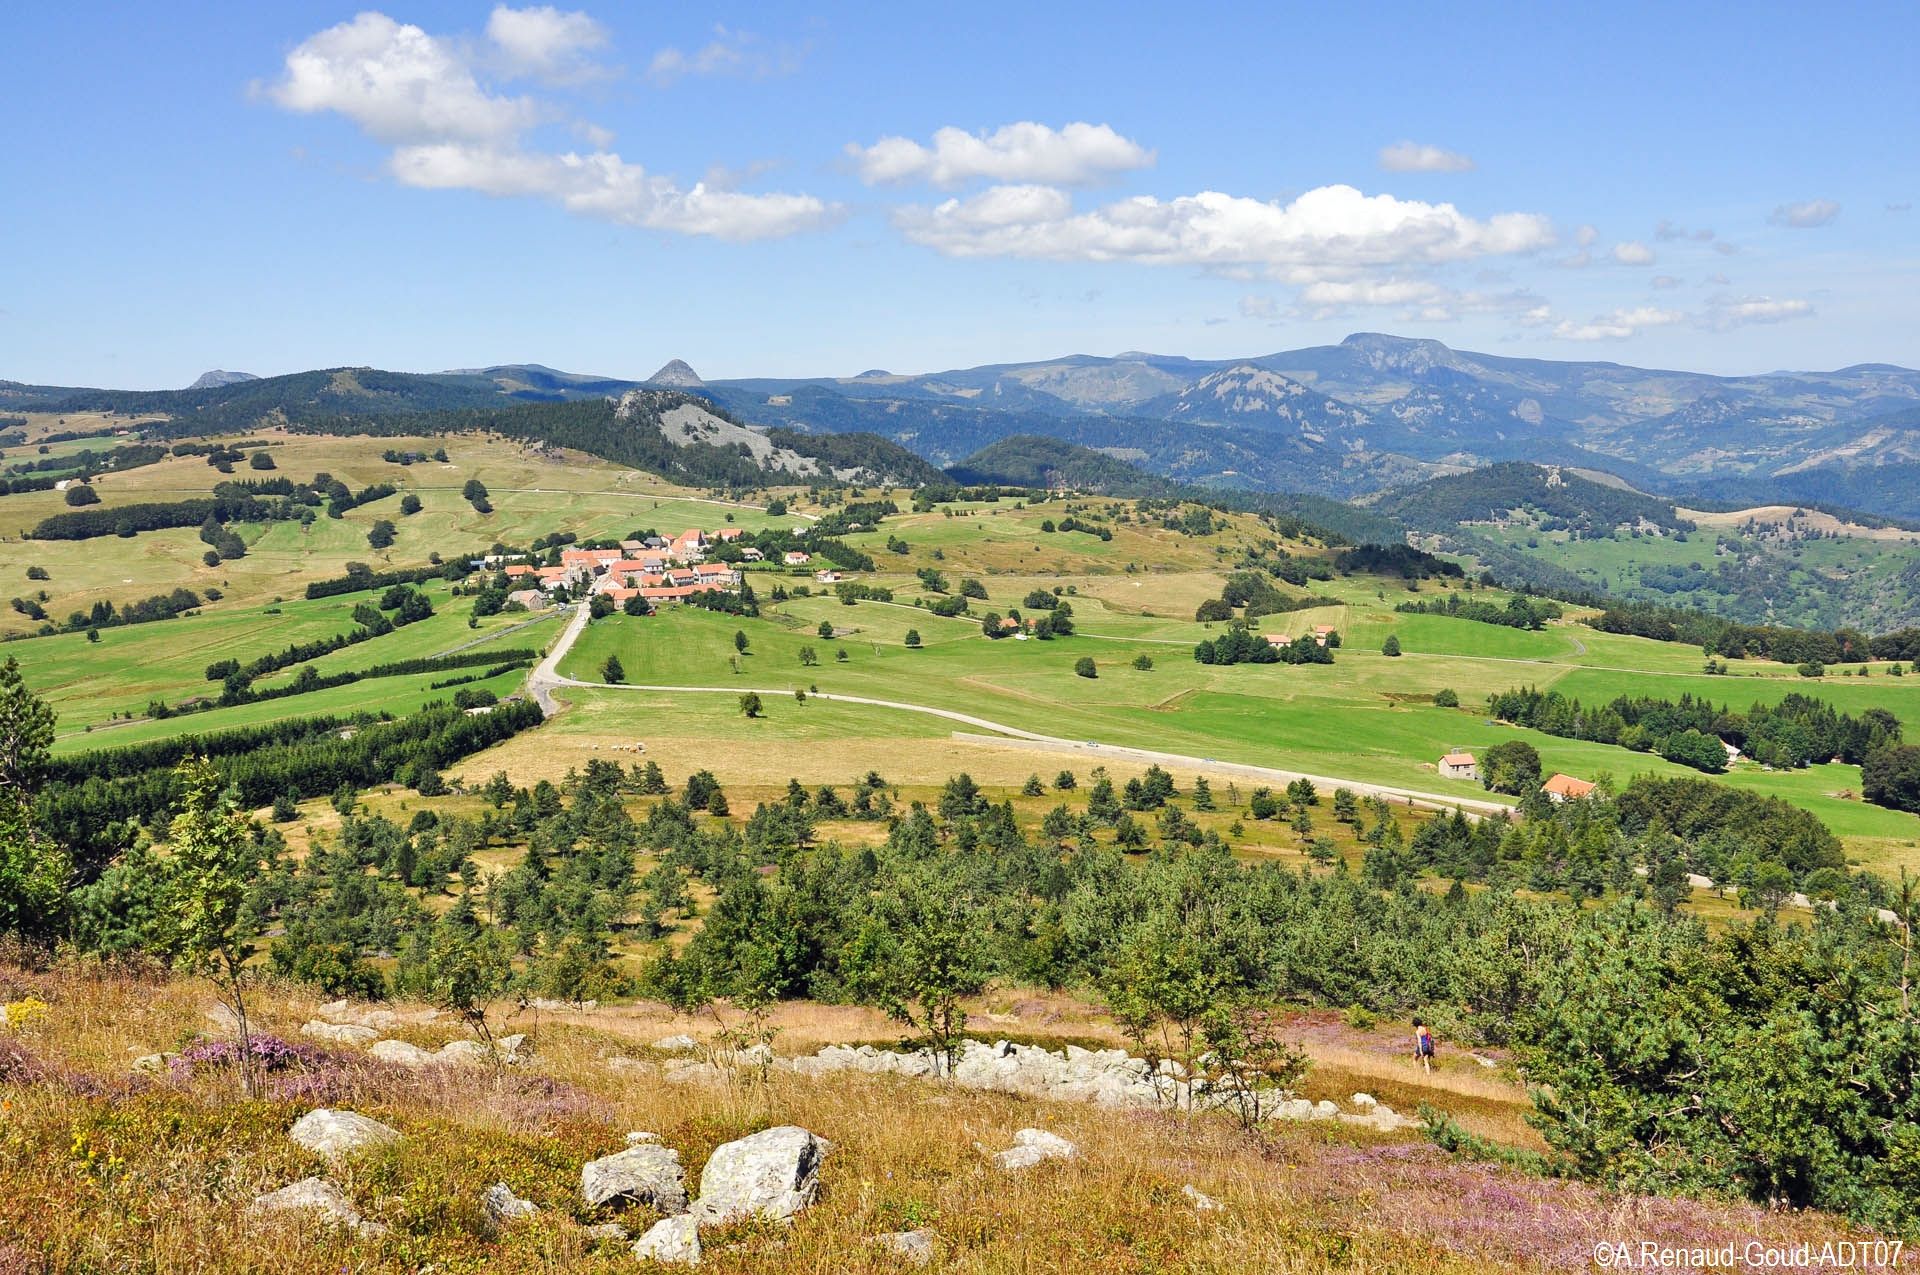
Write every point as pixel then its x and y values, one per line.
pixel 654 569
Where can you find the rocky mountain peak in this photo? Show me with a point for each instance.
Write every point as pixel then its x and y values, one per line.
pixel 676 372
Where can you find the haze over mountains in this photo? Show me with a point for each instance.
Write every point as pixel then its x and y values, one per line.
pixel 1350 420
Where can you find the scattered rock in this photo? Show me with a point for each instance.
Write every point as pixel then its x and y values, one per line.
pixel 339 1033
pixel 513 1048
pixel 1202 1203
pixel 503 1206
pixel 914 1247
pixel 680 1044
pixel 401 1053
pixel 345 1011
pixel 316 1195
pixel 641 1138
pixel 223 1018
pixel 1381 1117
pixel 607 1231
pixel 548 1006
pixel 1364 1101
pixel 673 1240
pixel 337 1134
pixel 1034 1146
pixel 464 1053
pixel 646 1173
pixel 152 1064
pixel 772 1174
pixel 619 1062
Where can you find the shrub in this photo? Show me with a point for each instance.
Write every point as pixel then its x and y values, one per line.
pixel 1084 667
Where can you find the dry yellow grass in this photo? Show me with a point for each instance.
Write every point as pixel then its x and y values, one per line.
pixel 155 1175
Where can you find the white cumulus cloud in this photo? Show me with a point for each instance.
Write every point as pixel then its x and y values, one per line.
pixel 544 41
pixel 1805 215
pixel 396 82
pixel 1633 253
pixel 1619 325
pixel 1330 232
pixel 423 95
pixel 1414 157
pixel 1734 312
pixel 1073 155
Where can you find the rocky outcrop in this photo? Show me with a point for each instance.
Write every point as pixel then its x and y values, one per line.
pixel 772 1174
pixel 645 1173
pixel 1104 1077
pixel 339 1134
pixel 673 1240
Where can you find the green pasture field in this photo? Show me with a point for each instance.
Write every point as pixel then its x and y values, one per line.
pixel 1367 717
pixel 91 684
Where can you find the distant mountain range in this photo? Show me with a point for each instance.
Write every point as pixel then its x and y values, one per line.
pixel 1372 413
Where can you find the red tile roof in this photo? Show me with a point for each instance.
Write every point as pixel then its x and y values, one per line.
pixel 1567 786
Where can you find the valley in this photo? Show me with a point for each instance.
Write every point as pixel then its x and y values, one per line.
pixel 510 701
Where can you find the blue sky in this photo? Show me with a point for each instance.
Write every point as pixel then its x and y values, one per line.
pixel 779 190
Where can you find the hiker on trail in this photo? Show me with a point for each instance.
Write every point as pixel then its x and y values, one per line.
pixel 1423 1044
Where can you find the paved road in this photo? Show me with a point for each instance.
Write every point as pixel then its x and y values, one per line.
pixel 546 674
pixel 546 678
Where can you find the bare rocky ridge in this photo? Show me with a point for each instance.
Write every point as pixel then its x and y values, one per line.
pixel 689 423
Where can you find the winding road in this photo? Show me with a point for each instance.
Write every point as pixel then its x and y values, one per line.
pixel 546 678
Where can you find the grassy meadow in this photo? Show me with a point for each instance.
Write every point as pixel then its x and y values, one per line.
pixel 533 493
pixel 1366 718
pixel 156 1172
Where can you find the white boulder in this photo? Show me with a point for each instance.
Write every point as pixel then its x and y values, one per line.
pixel 401 1053
pixel 645 1173
pixel 1034 1146
pixel 674 1240
pixel 318 1196
pixel 339 1033
pixel 338 1134
pixel 772 1174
